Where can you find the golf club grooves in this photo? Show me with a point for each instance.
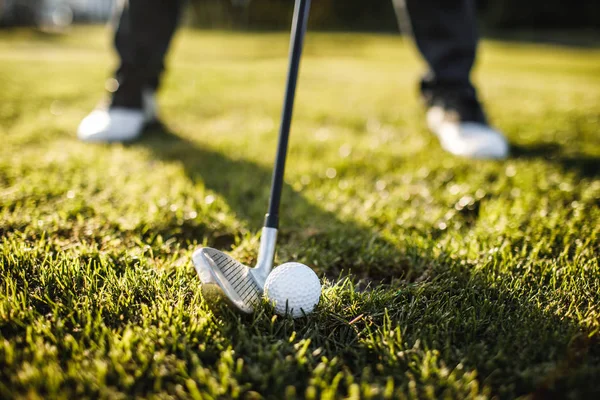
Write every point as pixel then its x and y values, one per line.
pixel 298 29
pixel 245 287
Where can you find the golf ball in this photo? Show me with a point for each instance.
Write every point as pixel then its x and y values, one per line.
pixel 293 287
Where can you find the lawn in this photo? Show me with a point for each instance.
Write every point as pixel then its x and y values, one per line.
pixel 443 277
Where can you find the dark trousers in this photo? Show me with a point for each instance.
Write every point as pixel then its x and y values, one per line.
pixel 444 31
pixel 142 38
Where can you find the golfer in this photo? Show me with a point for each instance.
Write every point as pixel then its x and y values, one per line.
pixel 444 31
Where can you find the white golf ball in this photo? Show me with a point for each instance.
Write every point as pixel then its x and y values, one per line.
pixel 295 286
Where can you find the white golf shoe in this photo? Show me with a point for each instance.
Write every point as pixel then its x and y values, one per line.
pixel 475 140
pixel 118 124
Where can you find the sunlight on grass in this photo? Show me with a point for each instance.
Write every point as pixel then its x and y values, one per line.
pixel 443 277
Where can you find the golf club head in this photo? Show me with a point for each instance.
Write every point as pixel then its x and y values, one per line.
pixel 226 279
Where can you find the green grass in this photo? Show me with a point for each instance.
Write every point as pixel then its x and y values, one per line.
pixel 443 277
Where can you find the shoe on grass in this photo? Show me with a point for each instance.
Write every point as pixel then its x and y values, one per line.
pixel 458 121
pixel 118 123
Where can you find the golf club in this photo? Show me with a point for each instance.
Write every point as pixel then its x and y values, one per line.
pixel 222 277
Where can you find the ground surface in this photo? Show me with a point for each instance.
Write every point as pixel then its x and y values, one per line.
pixel 443 277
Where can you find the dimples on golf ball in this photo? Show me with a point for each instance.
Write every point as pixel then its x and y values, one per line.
pixel 295 284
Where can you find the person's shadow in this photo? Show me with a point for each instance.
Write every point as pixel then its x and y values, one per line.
pixel 245 187
pixel 583 165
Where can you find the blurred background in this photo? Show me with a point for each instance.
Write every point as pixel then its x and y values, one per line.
pixel 498 17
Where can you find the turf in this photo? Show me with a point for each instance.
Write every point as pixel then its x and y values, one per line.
pixel 443 277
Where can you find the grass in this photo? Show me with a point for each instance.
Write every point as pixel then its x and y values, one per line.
pixel 443 277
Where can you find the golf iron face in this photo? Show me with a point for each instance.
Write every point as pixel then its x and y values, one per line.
pixel 226 279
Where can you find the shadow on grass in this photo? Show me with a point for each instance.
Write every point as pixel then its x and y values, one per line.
pixel 584 166
pixel 516 347
pixel 245 187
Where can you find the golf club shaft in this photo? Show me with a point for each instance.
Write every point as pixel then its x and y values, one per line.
pixel 301 11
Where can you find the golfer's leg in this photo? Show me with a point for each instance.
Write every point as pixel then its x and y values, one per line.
pixel 446 34
pixel 142 38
